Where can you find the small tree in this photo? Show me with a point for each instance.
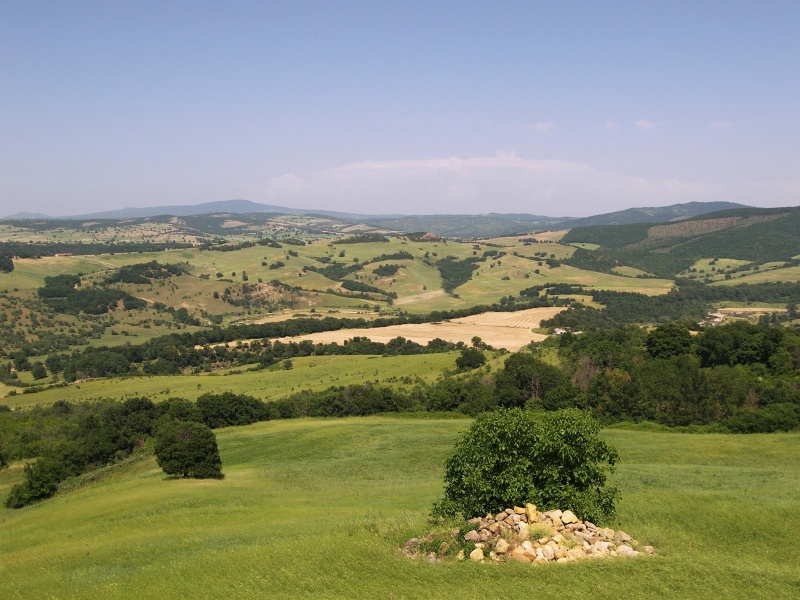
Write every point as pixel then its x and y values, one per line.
pixel 471 358
pixel 188 449
pixel 38 370
pixel 511 457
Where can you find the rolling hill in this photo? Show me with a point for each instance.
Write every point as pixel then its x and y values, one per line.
pixel 749 234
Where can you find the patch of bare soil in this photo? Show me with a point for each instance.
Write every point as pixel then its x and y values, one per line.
pixel 512 330
pixel 418 297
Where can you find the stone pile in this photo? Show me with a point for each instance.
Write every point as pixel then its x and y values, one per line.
pixel 529 536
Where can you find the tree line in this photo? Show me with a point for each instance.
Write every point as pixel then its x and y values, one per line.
pixel 738 378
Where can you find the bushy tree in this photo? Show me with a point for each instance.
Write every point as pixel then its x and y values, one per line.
pixel 188 449
pixel 471 358
pixel 227 408
pixel 527 380
pixel 510 457
pixel 668 340
pixel 38 370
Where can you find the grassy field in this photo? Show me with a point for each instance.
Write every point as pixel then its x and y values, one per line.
pixel 320 508
pixel 307 373
pixel 764 276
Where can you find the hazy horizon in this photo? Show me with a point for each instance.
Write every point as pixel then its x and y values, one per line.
pixel 567 109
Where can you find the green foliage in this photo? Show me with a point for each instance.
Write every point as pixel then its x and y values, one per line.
pixel 456 272
pixel 386 270
pixel 335 271
pixel 39 249
pixel 144 272
pixel 590 261
pixel 41 482
pixel 401 255
pixel 471 358
pixel 358 286
pixel 758 235
pixel 6 263
pixel 529 381
pixel 64 294
pixel 38 370
pixel 689 302
pixel 510 457
pixel 363 238
pixel 223 410
pixel 188 449
pixel 738 343
pixel 668 340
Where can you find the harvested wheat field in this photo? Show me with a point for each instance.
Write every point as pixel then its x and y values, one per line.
pixel 509 330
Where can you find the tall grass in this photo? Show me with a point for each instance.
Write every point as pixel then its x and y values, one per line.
pixel 319 508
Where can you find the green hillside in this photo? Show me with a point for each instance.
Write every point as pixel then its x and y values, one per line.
pixel 756 235
pixel 320 509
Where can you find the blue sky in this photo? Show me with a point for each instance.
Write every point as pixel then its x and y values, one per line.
pixel 554 108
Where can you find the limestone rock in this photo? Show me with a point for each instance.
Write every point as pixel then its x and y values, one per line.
pixel 472 536
pixel 506 537
pixel 568 517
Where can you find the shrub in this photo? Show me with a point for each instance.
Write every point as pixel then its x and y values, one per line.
pixel 223 410
pixel 511 457
pixel 471 358
pixel 188 449
pixel 41 482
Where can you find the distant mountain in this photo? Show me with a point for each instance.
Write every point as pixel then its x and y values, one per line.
pixel 222 206
pixel 27 215
pixel 496 224
pixel 464 226
pixel 656 214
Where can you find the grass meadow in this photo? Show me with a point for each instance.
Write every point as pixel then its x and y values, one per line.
pixel 320 508
pixel 307 373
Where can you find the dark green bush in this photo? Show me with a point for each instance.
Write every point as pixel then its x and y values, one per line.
pixel 471 358
pixel 510 457
pixel 187 449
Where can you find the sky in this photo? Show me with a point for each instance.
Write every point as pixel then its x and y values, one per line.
pixel 557 108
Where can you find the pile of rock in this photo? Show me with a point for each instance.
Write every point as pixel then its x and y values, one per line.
pixel 529 536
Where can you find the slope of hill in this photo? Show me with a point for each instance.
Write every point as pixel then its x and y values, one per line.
pixel 454 225
pixel 655 214
pixel 305 511
pixel 466 226
pixel 756 235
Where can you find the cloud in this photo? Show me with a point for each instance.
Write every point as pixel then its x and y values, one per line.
pixel 504 183
pixel 610 125
pixel 543 127
pixel 644 125
pixel 721 124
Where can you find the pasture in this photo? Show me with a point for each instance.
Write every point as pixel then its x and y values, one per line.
pixel 307 373
pixel 320 509
pixel 509 330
